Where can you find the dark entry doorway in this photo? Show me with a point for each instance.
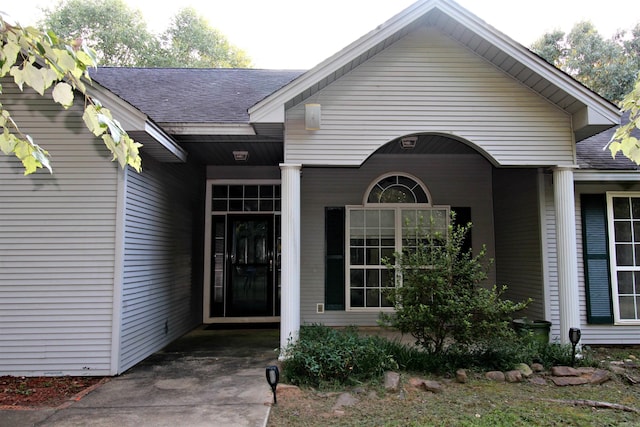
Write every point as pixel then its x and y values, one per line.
pixel 245 267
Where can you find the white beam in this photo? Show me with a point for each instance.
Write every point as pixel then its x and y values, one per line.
pixel 564 199
pixel 290 274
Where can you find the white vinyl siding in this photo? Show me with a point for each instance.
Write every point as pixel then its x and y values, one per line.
pixel 453 180
pixel 57 247
pixel 158 301
pixel 591 333
pixel 428 83
pixel 518 251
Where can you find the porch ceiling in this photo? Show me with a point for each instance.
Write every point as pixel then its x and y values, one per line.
pixel 428 144
pixel 218 150
pixel 211 150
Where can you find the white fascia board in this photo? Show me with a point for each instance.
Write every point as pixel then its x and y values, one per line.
pixel 129 117
pixel 208 128
pixel 606 175
pixel 590 116
pixel 166 141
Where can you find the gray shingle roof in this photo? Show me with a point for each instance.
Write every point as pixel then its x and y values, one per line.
pixel 591 155
pixel 188 95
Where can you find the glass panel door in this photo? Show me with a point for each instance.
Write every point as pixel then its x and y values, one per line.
pixel 250 266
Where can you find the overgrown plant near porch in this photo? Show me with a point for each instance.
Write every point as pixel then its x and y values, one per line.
pixel 323 356
pixel 441 300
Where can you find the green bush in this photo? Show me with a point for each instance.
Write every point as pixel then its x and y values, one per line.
pixel 324 355
pixel 442 301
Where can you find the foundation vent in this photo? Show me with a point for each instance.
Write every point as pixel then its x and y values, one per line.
pixel 320 308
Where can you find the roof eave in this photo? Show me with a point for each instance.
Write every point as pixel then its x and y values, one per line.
pixel 155 141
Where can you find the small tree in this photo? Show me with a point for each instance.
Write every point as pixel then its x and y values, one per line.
pixel 441 301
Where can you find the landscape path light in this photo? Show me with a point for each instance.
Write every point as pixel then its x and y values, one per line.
pixel 273 376
pixel 574 337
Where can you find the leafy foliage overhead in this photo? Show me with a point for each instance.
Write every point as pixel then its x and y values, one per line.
pixel 43 61
pixel 609 67
pixel 121 38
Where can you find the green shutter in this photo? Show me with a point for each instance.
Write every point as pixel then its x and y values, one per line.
pixel 596 258
pixel 334 258
pixel 463 217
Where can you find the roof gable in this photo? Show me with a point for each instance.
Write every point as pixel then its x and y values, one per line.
pixel 590 112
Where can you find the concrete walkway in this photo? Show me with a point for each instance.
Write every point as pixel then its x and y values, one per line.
pixel 206 378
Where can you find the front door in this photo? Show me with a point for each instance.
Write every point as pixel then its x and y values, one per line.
pixel 245 268
pixel 249 288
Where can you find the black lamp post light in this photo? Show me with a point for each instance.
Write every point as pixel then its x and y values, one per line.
pixel 273 376
pixel 574 337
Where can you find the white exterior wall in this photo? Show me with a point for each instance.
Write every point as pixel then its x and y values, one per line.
pixel 159 302
pixel 591 334
pixel 599 334
pixel 57 247
pixel 455 180
pixel 428 83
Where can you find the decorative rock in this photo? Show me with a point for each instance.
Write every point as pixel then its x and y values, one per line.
pixel 600 376
pixel 586 370
pixel 391 381
pixel 619 370
pixel 416 383
pixel 524 369
pixel 495 376
pixel 432 386
pixel 514 376
pixel 537 367
pixel 564 371
pixel 538 381
pixel 566 381
pixel 345 399
pixel 461 376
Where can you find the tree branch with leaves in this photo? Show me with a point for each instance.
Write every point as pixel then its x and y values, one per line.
pixel 623 139
pixel 43 61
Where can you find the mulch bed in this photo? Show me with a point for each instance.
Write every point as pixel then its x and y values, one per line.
pixel 39 392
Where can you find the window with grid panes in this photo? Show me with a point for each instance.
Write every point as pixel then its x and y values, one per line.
pixel 395 216
pixel 624 236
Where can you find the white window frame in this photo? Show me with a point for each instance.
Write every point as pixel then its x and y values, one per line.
pixel 398 236
pixel 613 267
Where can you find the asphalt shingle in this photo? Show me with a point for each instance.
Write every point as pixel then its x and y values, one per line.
pixel 193 95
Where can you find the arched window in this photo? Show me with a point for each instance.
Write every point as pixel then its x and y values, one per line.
pixel 396 210
pixel 397 189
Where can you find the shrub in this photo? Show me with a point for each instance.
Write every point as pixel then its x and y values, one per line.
pixel 441 300
pixel 323 356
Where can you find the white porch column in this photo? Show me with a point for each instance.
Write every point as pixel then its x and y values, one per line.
pixel 564 199
pixel 290 267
